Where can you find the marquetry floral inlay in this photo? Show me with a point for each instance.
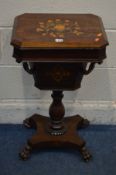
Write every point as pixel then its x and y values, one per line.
pixel 57 28
pixel 58 73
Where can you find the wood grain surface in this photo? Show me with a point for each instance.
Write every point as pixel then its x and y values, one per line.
pixel 58 31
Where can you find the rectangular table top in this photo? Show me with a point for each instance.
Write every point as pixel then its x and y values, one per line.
pixel 61 33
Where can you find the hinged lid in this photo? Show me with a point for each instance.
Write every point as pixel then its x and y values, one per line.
pixel 58 31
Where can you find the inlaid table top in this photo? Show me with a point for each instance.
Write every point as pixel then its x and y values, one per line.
pixel 57 34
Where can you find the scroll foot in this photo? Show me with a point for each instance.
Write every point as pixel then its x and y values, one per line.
pixel 85 123
pixel 28 123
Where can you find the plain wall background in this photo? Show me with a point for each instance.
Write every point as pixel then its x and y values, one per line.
pixel 95 100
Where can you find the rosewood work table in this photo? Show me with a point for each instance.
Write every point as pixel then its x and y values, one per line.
pixel 58 50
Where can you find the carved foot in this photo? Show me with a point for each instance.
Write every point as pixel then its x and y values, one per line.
pixel 25 153
pixel 85 123
pixel 85 154
pixel 28 123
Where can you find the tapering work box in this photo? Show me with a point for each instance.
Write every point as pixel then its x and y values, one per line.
pixel 58 50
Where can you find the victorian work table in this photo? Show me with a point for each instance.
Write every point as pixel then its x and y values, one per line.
pixel 58 50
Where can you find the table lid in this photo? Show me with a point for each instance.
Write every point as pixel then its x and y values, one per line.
pixel 33 31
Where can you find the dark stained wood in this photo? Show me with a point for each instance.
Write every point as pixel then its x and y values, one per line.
pixel 42 139
pixel 56 49
pixel 60 55
pixel 52 76
pixel 56 112
pixel 56 131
